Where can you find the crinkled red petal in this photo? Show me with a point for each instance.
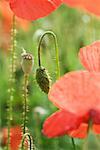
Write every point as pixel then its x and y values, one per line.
pixel 77 92
pixel 90 56
pixel 33 9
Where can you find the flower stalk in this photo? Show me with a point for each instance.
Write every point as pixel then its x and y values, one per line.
pixel 12 77
pixel 25 106
pixel 27 64
pixel 42 75
pixel 73 143
pixel 56 51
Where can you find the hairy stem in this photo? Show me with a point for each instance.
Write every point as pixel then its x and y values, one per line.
pixel 12 77
pixel 25 107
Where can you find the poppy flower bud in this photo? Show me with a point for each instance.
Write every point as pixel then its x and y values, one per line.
pixel 43 79
pixel 27 62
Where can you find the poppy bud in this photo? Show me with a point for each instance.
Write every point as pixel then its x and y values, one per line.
pixel 43 79
pixel 27 62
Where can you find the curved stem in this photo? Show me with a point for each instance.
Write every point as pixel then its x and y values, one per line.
pixel 25 107
pixel 12 78
pixel 30 142
pixel 56 50
pixel 23 140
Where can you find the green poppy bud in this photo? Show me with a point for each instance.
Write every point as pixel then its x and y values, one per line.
pixel 43 79
pixel 27 62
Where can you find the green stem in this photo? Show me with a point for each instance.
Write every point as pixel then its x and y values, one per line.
pixel 56 50
pixel 25 107
pixel 12 78
pixel 90 123
pixel 73 143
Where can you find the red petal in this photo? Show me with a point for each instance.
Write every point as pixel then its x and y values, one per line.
pixel 16 137
pixel 93 6
pixel 77 92
pixel 7 15
pixel 60 123
pixel 81 132
pixel 90 56
pixel 33 9
pixel 89 5
pixel 74 3
pixel 96 128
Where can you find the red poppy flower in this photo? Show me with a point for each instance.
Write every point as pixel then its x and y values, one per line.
pixel 77 94
pixel 33 9
pixel 7 14
pixel 6 23
pixel 89 5
pixel 16 137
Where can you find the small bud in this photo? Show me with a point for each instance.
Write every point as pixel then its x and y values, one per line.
pixel 43 79
pixel 27 62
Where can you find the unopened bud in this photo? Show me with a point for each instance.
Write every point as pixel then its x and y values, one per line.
pixel 43 79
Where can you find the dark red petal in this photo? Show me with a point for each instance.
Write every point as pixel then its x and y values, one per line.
pixel 81 132
pixel 60 123
pixel 95 115
pixel 33 9
pixel 90 57
pixel 77 92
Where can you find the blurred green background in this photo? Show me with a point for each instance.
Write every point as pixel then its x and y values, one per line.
pixel 74 29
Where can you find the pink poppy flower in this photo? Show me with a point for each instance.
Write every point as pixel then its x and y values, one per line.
pixel 89 5
pixel 77 95
pixel 33 9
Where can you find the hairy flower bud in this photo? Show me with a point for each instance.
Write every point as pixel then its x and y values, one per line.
pixel 43 79
pixel 27 62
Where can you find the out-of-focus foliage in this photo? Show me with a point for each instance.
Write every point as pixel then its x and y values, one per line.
pixel 74 29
